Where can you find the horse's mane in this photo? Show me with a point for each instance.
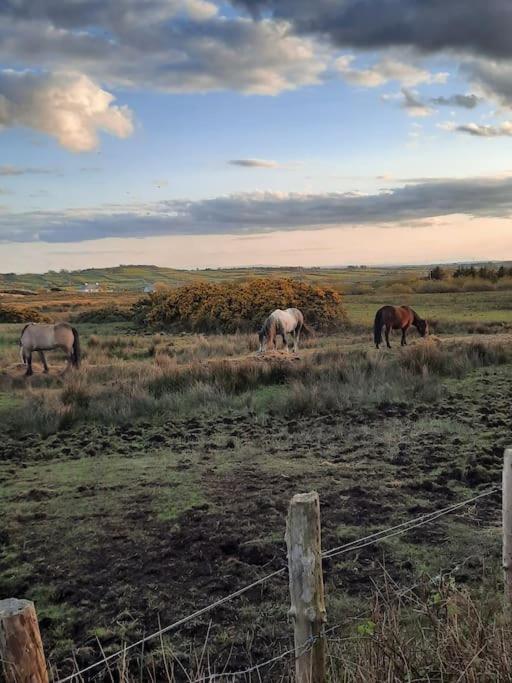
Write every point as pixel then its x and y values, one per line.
pixel 415 315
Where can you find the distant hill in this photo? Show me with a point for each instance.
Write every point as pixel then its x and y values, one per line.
pixel 135 278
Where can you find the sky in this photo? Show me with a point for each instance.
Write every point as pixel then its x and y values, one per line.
pixel 196 133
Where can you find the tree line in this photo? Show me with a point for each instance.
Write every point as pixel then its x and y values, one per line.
pixel 483 273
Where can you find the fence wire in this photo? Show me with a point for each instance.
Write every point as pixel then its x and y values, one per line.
pixel 358 544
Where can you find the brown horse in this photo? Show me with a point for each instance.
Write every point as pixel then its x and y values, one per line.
pixel 397 318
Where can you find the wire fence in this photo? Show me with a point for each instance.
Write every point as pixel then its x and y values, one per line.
pixel 358 544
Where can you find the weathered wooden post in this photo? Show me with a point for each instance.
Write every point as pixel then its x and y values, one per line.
pixel 21 648
pixel 507 528
pixel 307 610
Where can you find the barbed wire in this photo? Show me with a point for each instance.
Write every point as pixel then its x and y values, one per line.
pixel 173 626
pixel 358 544
pixel 311 641
pixel 403 527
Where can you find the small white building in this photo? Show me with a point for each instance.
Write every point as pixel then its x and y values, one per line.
pixel 149 289
pixel 89 288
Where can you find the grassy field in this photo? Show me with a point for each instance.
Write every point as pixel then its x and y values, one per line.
pixel 156 479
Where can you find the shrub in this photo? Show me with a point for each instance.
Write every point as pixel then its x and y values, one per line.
pixel 234 306
pixel 9 314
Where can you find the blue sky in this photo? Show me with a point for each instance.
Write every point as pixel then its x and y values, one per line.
pixel 115 128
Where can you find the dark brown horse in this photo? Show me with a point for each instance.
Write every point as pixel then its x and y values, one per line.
pixel 397 318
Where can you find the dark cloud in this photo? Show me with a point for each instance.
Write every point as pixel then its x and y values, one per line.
pixel 494 78
pixel 479 27
pixel 249 214
pixel 465 101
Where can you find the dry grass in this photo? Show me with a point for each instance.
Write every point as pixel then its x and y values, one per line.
pixel 164 376
pixel 438 631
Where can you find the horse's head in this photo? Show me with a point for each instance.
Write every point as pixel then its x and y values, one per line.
pixel 422 327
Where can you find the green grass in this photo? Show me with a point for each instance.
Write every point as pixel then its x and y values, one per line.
pixel 461 308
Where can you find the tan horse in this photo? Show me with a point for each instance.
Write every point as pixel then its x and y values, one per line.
pixel 397 318
pixel 281 322
pixel 41 338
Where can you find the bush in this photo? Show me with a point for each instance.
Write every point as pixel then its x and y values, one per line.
pixel 9 314
pixel 234 306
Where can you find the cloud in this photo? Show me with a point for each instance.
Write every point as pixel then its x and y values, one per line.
pixel 474 27
pixel 69 107
pixel 466 101
pixel 410 101
pixel 25 170
pixel 385 71
pixel 264 212
pixel 413 105
pixel 503 129
pixel 164 45
pixel 492 78
pixel 254 163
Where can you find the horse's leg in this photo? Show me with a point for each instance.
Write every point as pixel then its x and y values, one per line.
pixel 286 342
pixel 296 337
pixel 43 361
pixel 387 336
pixel 28 356
pixel 403 341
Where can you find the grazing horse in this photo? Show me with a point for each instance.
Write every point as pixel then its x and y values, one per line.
pixel 397 318
pixel 41 338
pixel 283 323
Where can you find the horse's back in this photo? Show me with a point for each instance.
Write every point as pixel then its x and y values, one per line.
pixel 46 336
pixel 396 316
pixel 288 319
pixel 297 313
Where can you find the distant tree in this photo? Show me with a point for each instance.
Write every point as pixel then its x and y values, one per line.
pixel 501 272
pixel 437 273
pixel 487 273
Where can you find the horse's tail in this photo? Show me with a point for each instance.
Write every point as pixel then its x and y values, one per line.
pixel 22 350
pixel 377 328
pixel 76 348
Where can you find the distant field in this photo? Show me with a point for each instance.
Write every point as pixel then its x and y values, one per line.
pixel 135 277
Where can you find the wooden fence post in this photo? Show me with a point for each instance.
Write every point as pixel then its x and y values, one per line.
pixel 507 528
pixel 306 586
pixel 21 648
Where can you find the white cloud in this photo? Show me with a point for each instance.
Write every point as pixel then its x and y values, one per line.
pixel 503 129
pixel 68 106
pixel 385 71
